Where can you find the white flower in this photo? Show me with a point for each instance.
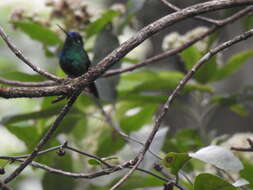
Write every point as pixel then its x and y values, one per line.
pixel 202 44
pixel 175 40
pixel 171 41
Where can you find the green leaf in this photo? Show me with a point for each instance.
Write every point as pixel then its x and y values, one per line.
pixel 232 102
pixel 141 181
pixel 51 181
pixel 162 81
pixel 239 109
pixel 134 122
pixel 140 98
pixel 247 22
pixel 96 26
pixel 247 173
pixel 175 161
pixel 24 77
pixel 109 143
pixel 80 129
pixel 7 65
pixel 130 81
pixel 211 182
pixel 94 162
pixel 31 116
pixel 207 71
pixel 184 140
pixel 197 87
pixel 190 56
pixel 70 122
pixel 233 64
pixel 110 158
pixel 38 32
pixel 130 60
pixel 28 134
pixel 156 81
pixel 225 100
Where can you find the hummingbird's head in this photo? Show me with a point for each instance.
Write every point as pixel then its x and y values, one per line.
pixel 73 38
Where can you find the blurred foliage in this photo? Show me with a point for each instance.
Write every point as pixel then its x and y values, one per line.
pixel 139 95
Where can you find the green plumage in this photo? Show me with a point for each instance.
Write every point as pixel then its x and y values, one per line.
pixel 74 60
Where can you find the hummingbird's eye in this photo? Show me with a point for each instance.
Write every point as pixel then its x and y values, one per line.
pixel 78 41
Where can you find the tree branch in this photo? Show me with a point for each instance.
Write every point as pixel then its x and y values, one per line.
pixel 20 55
pixel 4 187
pixel 126 47
pixel 173 95
pixel 118 130
pixel 244 149
pixel 71 174
pixel 45 138
pixel 201 18
pixel 156 58
pixel 27 84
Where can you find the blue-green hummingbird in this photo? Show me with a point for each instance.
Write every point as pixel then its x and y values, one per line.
pixel 73 59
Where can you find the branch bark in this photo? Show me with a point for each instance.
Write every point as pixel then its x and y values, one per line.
pixel 173 95
pixel 20 55
pixel 156 58
pixel 123 49
pixel 45 138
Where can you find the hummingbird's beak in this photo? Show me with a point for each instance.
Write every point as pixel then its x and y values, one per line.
pixel 63 30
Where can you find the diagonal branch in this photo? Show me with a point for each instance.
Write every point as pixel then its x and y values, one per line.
pixel 123 49
pixel 92 175
pixel 173 95
pixel 20 55
pixel 4 187
pixel 27 84
pixel 118 130
pixel 175 8
pixel 151 60
pixel 244 149
pixel 45 138
pixel 156 58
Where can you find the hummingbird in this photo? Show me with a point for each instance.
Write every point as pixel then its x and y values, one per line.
pixel 73 59
pixel 106 41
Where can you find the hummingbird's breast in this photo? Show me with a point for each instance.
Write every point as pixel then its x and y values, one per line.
pixel 74 62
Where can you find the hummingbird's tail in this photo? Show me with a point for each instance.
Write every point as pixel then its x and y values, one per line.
pixel 93 90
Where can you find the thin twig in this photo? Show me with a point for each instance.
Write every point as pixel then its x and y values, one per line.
pixel 88 155
pixel 116 55
pixel 65 146
pixel 45 138
pixel 13 158
pixel 243 149
pixel 173 95
pixel 96 71
pixel 20 55
pixel 117 129
pixel 106 171
pixel 76 175
pixel 4 186
pixel 103 172
pixel 175 8
pixel 27 84
pixel 156 58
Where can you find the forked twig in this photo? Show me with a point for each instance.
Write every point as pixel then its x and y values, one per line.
pixel 173 95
